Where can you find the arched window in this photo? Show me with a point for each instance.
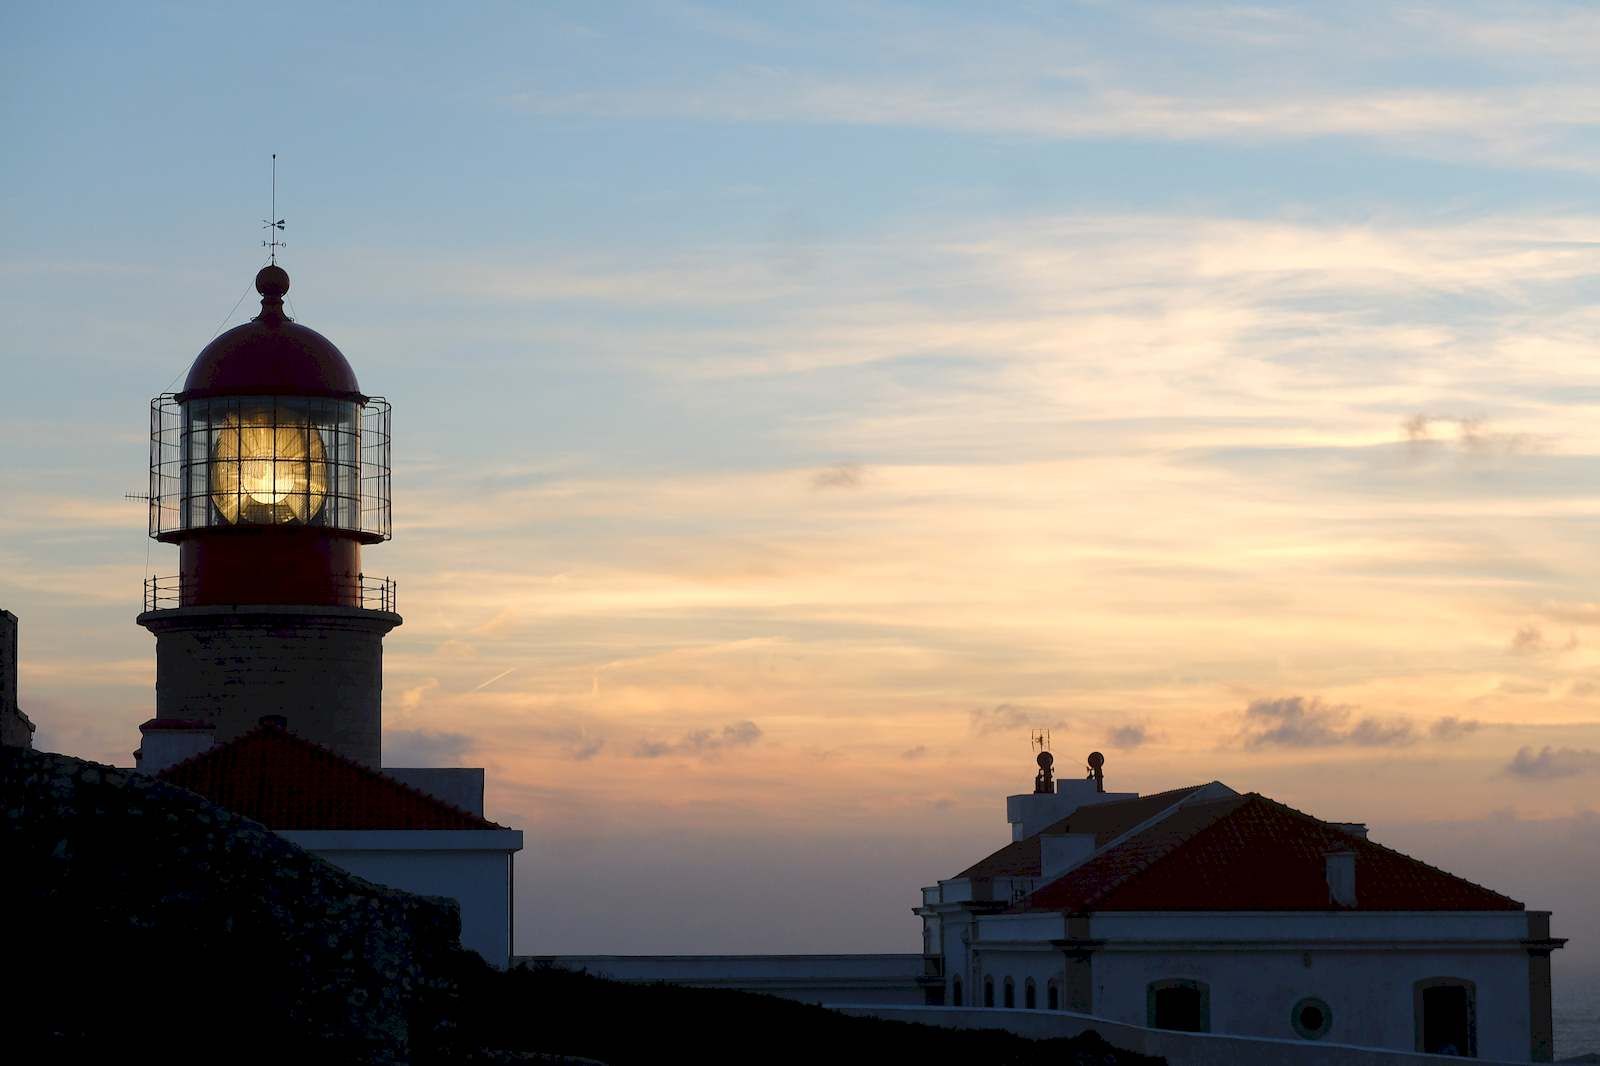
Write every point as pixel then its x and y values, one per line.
pixel 988 991
pixel 1180 1004
pixel 1011 993
pixel 955 991
pixel 1446 1011
pixel 1052 995
pixel 1030 995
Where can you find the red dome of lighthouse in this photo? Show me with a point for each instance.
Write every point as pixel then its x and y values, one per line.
pixel 271 355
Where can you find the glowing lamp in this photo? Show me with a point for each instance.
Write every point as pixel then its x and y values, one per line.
pixel 266 471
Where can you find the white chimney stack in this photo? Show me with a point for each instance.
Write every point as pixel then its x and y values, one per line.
pixel 1060 852
pixel 168 741
pixel 1341 870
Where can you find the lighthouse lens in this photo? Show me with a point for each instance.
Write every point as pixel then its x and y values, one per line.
pixel 268 468
pixel 273 461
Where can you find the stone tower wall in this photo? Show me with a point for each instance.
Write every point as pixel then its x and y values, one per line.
pixel 321 668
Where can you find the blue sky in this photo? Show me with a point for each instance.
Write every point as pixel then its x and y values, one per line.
pixel 806 401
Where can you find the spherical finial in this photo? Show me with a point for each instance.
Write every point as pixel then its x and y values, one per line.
pixel 272 282
pixel 1045 760
pixel 1096 760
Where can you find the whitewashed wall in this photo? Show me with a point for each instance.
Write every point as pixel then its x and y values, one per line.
pixel 471 866
pixel 1258 966
pixel 1189 1049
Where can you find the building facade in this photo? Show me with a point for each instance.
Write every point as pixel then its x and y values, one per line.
pixel 1203 910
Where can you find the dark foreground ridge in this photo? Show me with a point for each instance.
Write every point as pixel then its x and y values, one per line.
pixel 142 920
pixel 638 1024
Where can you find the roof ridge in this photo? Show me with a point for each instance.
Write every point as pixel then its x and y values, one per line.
pixel 1089 807
pixel 263 731
pixel 1374 845
pixel 1162 853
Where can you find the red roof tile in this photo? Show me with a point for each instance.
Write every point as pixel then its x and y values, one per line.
pixel 288 782
pixel 1250 853
pixel 1106 821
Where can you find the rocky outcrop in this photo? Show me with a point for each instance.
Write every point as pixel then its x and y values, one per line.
pixel 144 917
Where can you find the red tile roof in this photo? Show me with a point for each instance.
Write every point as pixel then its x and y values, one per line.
pixel 1250 853
pixel 1106 821
pixel 288 782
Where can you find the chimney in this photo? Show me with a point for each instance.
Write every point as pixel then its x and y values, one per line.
pixel 8 660
pixel 1060 852
pixel 1341 872
pixel 15 729
pixel 168 741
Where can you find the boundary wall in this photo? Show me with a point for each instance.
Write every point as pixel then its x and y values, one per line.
pixel 823 979
pixel 1180 1049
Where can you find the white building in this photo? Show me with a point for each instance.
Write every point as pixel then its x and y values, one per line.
pixel 1204 910
pixel 391 827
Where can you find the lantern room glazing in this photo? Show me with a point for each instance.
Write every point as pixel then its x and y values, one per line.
pixel 222 462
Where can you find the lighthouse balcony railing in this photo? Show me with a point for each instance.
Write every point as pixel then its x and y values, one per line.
pixel 369 593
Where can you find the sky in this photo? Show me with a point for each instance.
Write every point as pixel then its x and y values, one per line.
pixel 796 405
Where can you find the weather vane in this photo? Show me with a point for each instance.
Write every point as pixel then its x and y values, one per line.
pixel 272 244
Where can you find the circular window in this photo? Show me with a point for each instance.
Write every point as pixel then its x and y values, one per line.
pixel 1311 1018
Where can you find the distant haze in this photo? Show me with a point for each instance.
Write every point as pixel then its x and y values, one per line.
pixel 795 408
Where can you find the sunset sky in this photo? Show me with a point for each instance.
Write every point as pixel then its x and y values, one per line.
pixel 794 409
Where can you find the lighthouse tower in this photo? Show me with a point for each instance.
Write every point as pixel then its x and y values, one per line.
pixel 270 472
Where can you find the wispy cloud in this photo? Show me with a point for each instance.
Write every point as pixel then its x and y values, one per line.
pixel 839 476
pixel 1530 640
pixel 1297 722
pixel 1130 736
pixel 1552 762
pixel 1039 78
pixel 1005 718
pixel 702 743
pixel 424 747
pixel 1452 728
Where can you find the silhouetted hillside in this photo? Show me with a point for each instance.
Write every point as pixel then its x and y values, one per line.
pixel 142 916
pixel 142 920
pixel 631 1025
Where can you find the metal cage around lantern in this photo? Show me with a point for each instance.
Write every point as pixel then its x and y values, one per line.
pixel 252 461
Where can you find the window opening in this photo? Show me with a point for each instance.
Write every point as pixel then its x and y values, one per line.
pixel 1180 1005
pixel 1312 1018
pixel 1446 1017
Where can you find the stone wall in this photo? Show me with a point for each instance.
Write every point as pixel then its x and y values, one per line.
pixel 321 668
pixel 15 729
pixel 142 917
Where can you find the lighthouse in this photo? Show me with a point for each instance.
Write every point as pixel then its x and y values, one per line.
pixel 270 472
